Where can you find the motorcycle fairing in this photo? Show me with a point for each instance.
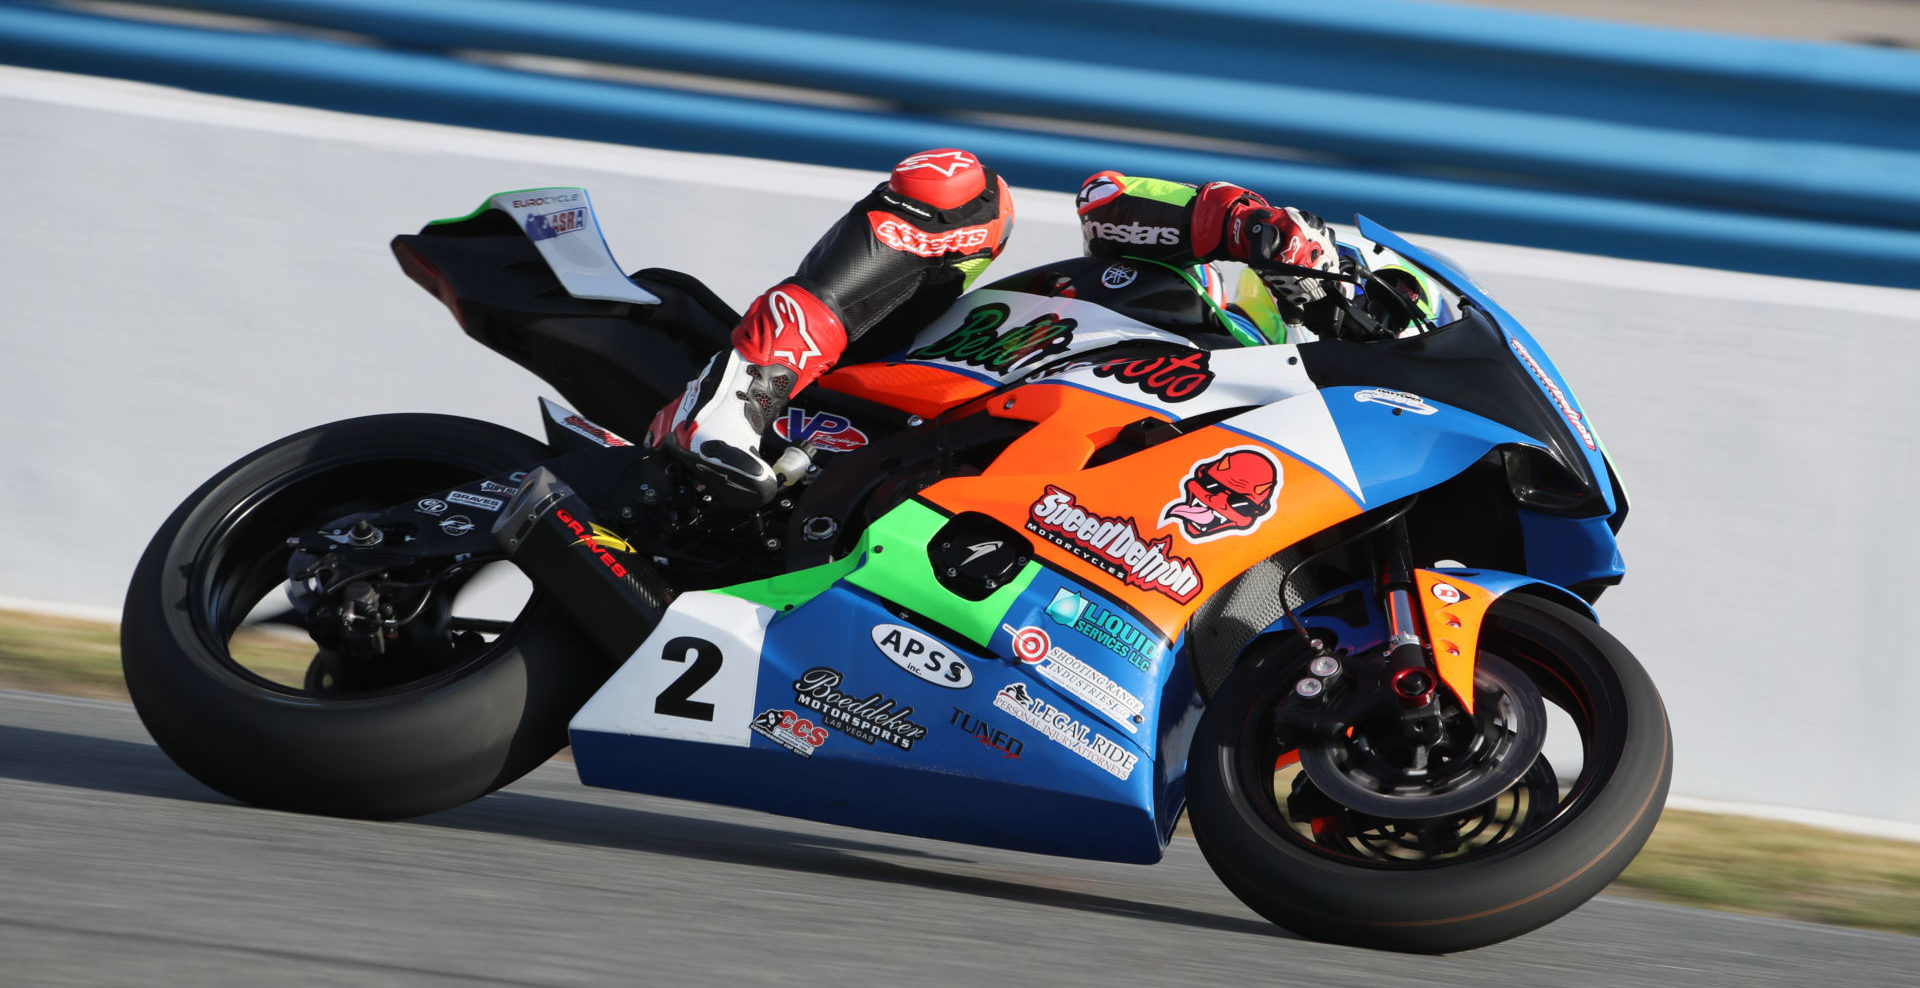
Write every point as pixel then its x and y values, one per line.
pixel 995 336
pixel 806 710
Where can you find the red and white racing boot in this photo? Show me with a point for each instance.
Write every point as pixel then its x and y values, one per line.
pixel 787 340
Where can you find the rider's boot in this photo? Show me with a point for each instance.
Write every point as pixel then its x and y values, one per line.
pixel 788 338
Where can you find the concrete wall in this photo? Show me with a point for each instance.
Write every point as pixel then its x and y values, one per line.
pixel 188 277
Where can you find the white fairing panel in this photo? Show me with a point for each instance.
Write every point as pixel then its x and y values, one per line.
pixel 692 679
pixel 561 224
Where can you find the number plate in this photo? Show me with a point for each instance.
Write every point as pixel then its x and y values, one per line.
pixel 693 678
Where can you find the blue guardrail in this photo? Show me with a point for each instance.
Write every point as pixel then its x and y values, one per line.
pixel 1749 154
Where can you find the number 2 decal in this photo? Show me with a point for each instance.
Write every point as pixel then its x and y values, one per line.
pixel 676 700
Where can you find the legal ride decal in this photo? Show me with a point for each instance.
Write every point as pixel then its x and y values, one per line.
pixel 1171 378
pixel 1574 419
pixel 1098 624
pixel 1115 545
pixel 980 342
pixel 827 431
pixel 1230 494
pixel 876 718
pixel 1104 752
pixel 1065 670
pixel 922 656
pixel 790 731
pixel 1000 741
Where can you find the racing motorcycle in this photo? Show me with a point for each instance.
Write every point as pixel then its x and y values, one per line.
pixel 1071 562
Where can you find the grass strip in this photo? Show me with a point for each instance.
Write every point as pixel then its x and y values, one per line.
pixel 1738 864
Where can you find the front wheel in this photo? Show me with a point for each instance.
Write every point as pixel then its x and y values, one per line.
pixel 432 724
pixel 1471 878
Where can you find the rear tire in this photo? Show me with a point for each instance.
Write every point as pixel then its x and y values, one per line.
pixel 403 750
pixel 1557 861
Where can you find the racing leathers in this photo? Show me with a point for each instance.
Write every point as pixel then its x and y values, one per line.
pixel 903 253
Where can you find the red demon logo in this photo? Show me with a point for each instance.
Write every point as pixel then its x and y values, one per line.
pixel 1229 495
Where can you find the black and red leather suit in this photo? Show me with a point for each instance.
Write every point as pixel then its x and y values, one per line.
pixel 903 253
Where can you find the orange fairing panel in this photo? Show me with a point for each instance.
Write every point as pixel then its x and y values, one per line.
pixel 1454 609
pixel 916 389
pixel 1161 529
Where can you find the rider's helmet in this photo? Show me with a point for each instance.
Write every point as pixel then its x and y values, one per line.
pixel 1413 284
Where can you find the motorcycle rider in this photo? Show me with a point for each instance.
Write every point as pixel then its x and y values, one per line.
pixel 903 253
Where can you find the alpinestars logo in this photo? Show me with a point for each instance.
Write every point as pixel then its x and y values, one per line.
pixel 903 236
pixel 944 162
pixel 1131 233
pixel 787 312
pixel 1115 545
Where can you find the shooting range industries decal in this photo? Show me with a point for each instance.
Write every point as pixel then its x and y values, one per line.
pixel 1078 679
pixel 876 718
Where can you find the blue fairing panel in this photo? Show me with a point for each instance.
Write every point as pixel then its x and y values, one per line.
pixel 1411 444
pixel 1526 349
pixel 1056 743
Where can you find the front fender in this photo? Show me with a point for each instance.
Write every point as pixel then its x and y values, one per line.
pixel 1455 601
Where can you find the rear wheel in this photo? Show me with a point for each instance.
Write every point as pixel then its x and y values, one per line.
pixel 1474 875
pixel 446 714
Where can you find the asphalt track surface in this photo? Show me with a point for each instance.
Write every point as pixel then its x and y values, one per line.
pixel 118 869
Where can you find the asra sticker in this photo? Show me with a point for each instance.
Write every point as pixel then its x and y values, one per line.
pixel 827 431
pixel 1105 753
pixel 790 731
pixel 1118 275
pixel 1100 625
pixel 922 656
pixel 1231 494
pixel 1115 545
pixel 875 718
pixel 546 226
pixel 1084 682
pixel 1396 399
pixel 476 501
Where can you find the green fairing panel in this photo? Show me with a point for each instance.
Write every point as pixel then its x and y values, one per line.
pixel 891 563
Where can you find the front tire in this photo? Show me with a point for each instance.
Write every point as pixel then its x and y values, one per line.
pixel 393 749
pixel 1345 878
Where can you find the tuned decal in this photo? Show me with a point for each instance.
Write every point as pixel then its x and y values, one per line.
pixel 979 341
pixel 1077 678
pixel 1008 745
pixel 1574 418
pixel 1105 753
pixel 1115 545
pixel 1170 378
pixel 904 236
pixel 788 314
pixel 1101 625
pixel 1228 495
pixel 790 731
pixel 876 718
pixel 825 430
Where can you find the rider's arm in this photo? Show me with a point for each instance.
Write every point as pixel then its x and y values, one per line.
pixel 1130 216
